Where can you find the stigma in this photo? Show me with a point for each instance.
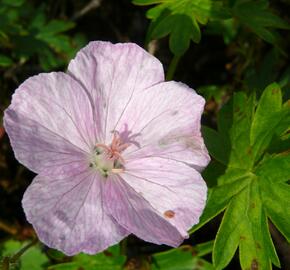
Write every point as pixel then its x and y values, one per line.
pixel 107 159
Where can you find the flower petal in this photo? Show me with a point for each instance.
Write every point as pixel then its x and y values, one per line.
pixel 176 191
pixel 165 120
pixel 189 150
pixel 135 213
pixel 113 74
pixel 49 122
pixel 68 214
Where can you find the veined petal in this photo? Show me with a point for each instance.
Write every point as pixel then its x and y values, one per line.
pixel 175 191
pixel 113 74
pixel 50 123
pixel 68 213
pixel 189 150
pixel 133 212
pixel 164 120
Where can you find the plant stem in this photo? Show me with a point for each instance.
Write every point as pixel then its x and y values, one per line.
pixel 3 226
pixel 16 256
pixel 172 67
pixel 5 263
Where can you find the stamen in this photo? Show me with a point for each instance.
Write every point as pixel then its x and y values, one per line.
pixel 109 158
pixel 119 170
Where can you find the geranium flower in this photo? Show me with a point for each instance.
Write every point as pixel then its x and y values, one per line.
pixel 117 151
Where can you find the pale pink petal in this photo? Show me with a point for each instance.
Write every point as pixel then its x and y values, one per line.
pixel 189 150
pixel 50 123
pixel 176 191
pixel 133 212
pixel 68 213
pixel 164 120
pixel 113 74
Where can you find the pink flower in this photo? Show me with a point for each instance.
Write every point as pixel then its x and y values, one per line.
pixel 117 151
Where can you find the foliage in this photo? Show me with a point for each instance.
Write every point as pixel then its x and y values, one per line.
pixel 181 19
pixel 185 258
pixel 26 32
pixel 110 259
pixel 32 259
pixel 254 188
pixel 257 16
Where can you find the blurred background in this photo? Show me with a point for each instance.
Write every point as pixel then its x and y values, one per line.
pixel 234 52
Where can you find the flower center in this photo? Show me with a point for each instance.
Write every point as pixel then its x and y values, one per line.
pixel 107 159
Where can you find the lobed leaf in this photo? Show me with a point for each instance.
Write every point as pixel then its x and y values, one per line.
pixel 257 16
pixel 180 19
pixel 219 198
pixel 254 187
pixel 241 152
pixel 267 117
pixel 276 201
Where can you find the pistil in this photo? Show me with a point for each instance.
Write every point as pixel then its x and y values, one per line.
pixel 108 159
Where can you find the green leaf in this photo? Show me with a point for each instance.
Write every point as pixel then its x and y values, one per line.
pixel 254 188
pixel 257 78
pixel 180 19
pixel 55 27
pixel 225 122
pixel 276 200
pixel 204 248
pixel 13 3
pixel 146 2
pixel 275 167
pixel 5 61
pixel 256 16
pixel 266 118
pixel 185 258
pixel 49 60
pixel 107 260
pixel 254 246
pixel 59 43
pixel 215 144
pixel 226 28
pixel 219 197
pixel 32 259
pixel 241 153
pixel 183 30
pixel 228 236
pixel 212 92
pixel 212 172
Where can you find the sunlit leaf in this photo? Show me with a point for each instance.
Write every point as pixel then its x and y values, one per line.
pixel 268 115
pixel 254 188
